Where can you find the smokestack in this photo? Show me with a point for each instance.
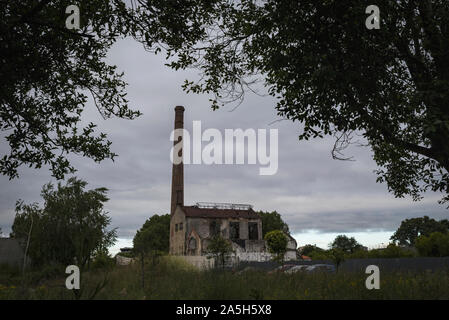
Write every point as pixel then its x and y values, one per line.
pixel 177 182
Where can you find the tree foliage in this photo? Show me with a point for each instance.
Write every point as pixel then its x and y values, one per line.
pixel 326 70
pixel 220 249
pixel 48 74
pixel 153 239
pixel 411 229
pixel 310 250
pixel 70 228
pixel 391 251
pixel 434 245
pixel 337 255
pixel 277 244
pixel 336 77
pixel 47 71
pixel 154 235
pixel 272 221
pixel 345 244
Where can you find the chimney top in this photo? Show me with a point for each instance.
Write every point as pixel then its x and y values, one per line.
pixel 179 108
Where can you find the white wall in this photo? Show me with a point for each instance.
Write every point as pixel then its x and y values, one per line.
pixel 201 262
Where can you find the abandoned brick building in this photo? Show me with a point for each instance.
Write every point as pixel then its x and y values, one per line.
pixel 192 227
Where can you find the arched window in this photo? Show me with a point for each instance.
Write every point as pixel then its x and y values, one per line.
pixel 192 244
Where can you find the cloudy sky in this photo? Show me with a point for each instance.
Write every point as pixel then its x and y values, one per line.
pixel 317 196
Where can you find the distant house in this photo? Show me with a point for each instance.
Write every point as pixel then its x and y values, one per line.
pixel 123 258
pixel 291 248
pixel 306 258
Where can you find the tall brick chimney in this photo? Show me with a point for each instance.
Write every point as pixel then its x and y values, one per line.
pixel 177 182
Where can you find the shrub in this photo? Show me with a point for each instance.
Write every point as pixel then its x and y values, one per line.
pixel 319 254
pixel 394 251
pixel 277 244
pixel 102 260
pixel 45 272
pixel 220 249
pixel 434 245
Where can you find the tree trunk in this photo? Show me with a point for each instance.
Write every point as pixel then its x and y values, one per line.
pixel 27 246
pixel 142 264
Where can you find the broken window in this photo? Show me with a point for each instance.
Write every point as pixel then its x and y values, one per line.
pixel 234 230
pixel 253 231
pixel 191 246
pixel 214 228
pixel 192 243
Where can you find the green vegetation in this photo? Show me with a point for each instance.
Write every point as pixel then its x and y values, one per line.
pixel 45 85
pixel 337 256
pixel 390 85
pixel 220 249
pixel 391 251
pixel 309 249
pixel 411 229
pixel 345 244
pixel 172 279
pixel 102 260
pixel 71 228
pixel 434 245
pixel 152 239
pixel 154 235
pixel 277 244
pixel 415 237
pixel 272 221
pixel 336 78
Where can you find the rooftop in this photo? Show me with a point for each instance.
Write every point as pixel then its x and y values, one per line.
pixel 216 205
pixel 220 212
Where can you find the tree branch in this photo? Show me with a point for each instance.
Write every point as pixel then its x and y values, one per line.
pixel 32 12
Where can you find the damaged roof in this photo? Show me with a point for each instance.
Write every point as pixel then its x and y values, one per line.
pixel 196 212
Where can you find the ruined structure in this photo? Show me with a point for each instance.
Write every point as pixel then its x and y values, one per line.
pixel 192 227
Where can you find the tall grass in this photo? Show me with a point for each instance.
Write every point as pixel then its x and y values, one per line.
pixel 174 279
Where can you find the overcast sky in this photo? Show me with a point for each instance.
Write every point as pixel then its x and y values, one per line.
pixel 317 196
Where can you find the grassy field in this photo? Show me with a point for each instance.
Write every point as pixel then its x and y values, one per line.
pixel 172 279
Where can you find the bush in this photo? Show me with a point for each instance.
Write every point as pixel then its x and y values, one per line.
pixel 319 254
pixel 309 250
pixel 9 273
pixel 103 260
pixel 391 251
pixel 220 249
pixel 434 245
pixel 277 244
pixel 46 272
pixel 394 251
